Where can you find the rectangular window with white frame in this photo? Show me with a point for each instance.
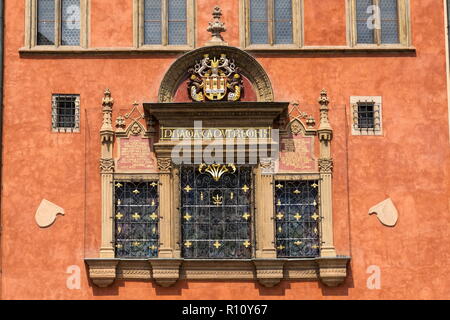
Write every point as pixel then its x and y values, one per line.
pixel 366 115
pixel 379 22
pixel 271 24
pixel 56 23
pixel 164 24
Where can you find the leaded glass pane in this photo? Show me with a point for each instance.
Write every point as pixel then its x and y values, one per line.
pixel 297 218
pixel 46 22
pixel 177 22
pixel 136 219
pixel 152 22
pixel 389 21
pixel 259 26
pixel 283 21
pixel 70 22
pixel 365 23
pixel 216 211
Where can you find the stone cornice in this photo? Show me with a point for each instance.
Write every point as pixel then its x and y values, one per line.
pixel 269 272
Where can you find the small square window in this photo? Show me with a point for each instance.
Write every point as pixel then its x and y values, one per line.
pixel 65 113
pixel 366 116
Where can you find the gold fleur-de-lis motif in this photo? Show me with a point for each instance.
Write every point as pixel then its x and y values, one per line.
pixel 136 216
pixel 187 216
pixel 280 215
pixel 136 244
pixel 217 200
pixel 314 203
pixel 297 216
pixel 314 185
pixel 188 188
pixel 245 188
pixel 315 246
pixel 297 243
pixel 188 244
pixel 217 244
pixel 153 203
pixel 153 216
pixel 119 202
pixel 279 186
pixel 202 196
pixel 119 229
pixel 247 244
pixel 279 202
pixel 281 247
pixel 119 185
pixel 246 216
pixel 136 191
pixel 315 216
pixel 154 230
pixel 119 246
pixel 316 231
pixel 153 248
pixel 153 184
pixel 231 195
pixel 280 230
pixel 119 216
pixel 296 191
pixel 217 170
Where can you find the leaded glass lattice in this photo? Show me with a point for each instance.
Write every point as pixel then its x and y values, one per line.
pixel 283 21
pixel 216 214
pixel 259 24
pixel 389 21
pixel 177 22
pixel 152 22
pixel 136 219
pixel 297 218
pixel 46 22
pixel 365 25
pixel 70 22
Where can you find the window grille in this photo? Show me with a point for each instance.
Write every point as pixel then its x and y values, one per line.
pixel 66 113
pixel 297 219
pixel 136 219
pixel 367 118
pixel 216 211
pixel 271 22
pixel 383 29
pixel 51 22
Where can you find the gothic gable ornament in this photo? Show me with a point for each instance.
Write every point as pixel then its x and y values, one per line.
pixel 215 79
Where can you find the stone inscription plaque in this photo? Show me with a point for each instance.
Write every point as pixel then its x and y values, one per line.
pixel 135 154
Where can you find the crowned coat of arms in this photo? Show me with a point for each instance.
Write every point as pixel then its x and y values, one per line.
pixel 216 79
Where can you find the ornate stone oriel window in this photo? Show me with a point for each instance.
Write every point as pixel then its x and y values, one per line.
pixel 366 116
pixel 136 218
pixel 164 24
pixel 379 22
pixel 65 113
pixel 56 23
pixel 272 24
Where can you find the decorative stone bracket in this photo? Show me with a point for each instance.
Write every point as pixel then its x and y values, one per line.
pixel 269 272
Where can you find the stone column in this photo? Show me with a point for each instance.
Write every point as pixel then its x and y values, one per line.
pixel 165 208
pixel 264 211
pixel 106 171
pixel 325 133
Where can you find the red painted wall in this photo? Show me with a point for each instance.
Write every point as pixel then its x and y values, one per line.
pixel 409 163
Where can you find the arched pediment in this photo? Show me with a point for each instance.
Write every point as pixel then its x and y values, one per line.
pixel 248 66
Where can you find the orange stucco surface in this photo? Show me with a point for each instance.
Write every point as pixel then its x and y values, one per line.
pixel 409 163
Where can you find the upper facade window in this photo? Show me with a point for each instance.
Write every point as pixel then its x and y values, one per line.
pixel 271 23
pixel 379 22
pixel 56 23
pixel 164 23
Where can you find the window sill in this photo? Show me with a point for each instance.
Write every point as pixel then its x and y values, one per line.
pixel 112 50
pixel 331 49
pixel 332 271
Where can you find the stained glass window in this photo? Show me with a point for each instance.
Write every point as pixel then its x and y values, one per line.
pixel 46 22
pixel 175 24
pixel 136 219
pixel 297 219
pixel 70 22
pixel 216 211
pixel 271 22
pixel 382 29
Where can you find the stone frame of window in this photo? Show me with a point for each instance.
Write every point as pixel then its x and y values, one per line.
pixel 55 127
pixel 138 28
pixel 297 28
pixel 404 27
pixel 377 101
pixel 31 26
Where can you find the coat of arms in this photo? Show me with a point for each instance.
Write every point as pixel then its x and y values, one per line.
pixel 215 79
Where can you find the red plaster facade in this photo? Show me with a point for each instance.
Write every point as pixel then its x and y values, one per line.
pixel 409 162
